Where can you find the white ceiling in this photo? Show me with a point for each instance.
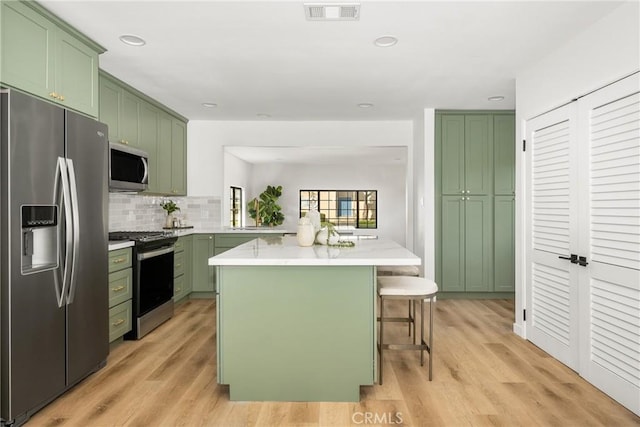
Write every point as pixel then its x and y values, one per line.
pixel 265 57
pixel 325 155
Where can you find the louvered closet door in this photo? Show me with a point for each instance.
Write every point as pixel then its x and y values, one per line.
pixel 609 125
pixel 552 320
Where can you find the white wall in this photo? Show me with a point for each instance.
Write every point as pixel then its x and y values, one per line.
pixel 389 181
pixel 424 190
pixel 237 173
pixel 605 52
pixel 207 139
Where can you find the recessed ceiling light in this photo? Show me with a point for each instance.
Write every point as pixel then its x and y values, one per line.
pixel 385 41
pixel 132 40
pixel 496 98
pixel 209 105
pixel 263 115
pixel 365 105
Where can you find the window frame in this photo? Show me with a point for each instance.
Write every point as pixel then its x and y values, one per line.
pixel 236 219
pixel 338 208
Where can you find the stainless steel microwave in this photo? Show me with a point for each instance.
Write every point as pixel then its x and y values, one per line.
pixel 128 168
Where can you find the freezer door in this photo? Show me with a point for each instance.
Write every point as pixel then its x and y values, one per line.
pixel 33 326
pixel 88 305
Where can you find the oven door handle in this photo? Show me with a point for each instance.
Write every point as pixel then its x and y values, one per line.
pixel 146 255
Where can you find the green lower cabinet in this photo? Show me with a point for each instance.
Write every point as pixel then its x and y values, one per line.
pixel 504 244
pixel 452 248
pixel 296 333
pixel 467 244
pixel 203 274
pixel 182 268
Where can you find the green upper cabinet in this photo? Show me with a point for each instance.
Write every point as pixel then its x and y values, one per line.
pixel 504 154
pixel 137 120
pixel 172 160
pixel 45 57
pixel 452 148
pixel 179 157
pixel 467 143
pixel 478 154
pixel 149 117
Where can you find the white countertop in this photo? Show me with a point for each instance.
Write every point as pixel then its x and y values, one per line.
pixel 273 250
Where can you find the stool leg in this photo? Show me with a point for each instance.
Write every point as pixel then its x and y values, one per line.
pixel 409 318
pixel 380 343
pixel 430 337
pixel 421 331
pixel 413 303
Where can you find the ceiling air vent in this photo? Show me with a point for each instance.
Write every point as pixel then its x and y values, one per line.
pixel 332 11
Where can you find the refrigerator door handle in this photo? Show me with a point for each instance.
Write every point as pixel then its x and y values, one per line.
pixel 57 201
pixel 76 230
pixel 66 202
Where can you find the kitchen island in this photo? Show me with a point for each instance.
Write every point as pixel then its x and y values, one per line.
pixel 299 323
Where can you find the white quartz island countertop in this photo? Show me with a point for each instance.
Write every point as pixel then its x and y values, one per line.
pixel 272 250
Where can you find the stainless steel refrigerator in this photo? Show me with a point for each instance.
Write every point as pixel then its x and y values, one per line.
pixel 53 252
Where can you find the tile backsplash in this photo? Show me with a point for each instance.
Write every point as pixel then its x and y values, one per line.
pixel 132 212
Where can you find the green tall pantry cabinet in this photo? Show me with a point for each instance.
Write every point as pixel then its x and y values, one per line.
pixel 475 160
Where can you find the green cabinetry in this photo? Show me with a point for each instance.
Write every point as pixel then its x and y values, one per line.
pixel 182 268
pixel 43 56
pixel 120 291
pixel 137 120
pixel 203 275
pixel 475 160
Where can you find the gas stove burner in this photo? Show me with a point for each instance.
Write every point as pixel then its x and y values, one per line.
pixel 139 236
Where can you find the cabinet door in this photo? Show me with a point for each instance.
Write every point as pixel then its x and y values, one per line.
pixel 504 155
pixel 110 100
pixel 504 244
pixel 478 154
pixel 178 158
pixel 203 280
pixel 452 149
pixel 148 140
pixel 76 74
pixel 28 49
pixel 478 243
pixel 165 131
pixel 129 118
pixel 188 261
pixel 452 276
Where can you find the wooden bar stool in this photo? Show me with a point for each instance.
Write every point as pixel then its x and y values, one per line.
pixel 413 289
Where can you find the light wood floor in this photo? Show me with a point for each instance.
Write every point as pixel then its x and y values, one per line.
pixel 483 375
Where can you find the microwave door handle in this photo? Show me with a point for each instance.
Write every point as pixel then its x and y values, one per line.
pixel 76 230
pixel 145 178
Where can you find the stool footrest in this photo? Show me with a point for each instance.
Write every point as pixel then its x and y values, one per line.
pixel 398 319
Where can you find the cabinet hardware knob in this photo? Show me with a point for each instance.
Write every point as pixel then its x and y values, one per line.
pixel 118 322
pixel 61 97
pixel 118 289
pixel 118 260
pixel 178 265
pixel 53 95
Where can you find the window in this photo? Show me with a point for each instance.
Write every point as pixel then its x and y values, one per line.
pixel 235 203
pixel 352 208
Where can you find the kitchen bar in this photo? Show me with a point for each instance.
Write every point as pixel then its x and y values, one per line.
pixel 299 323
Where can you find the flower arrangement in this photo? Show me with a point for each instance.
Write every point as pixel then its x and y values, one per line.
pixel 169 206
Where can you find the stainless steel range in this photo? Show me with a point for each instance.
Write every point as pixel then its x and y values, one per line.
pixel 152 278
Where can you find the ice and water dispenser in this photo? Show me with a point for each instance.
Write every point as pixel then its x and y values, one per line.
pixel 39 238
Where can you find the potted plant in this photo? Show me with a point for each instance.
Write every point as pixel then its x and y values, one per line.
pixel 264 209
pixel 170 206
